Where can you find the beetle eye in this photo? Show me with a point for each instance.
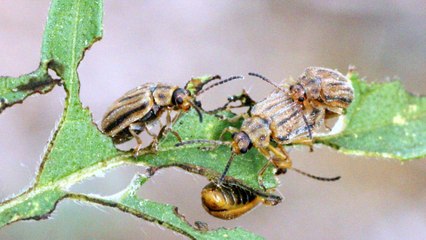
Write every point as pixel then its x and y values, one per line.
pixel 243 150
pixel 301 99
pixel 179 100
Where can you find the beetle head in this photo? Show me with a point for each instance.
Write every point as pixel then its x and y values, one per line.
pixel 298 93
pixel 241 143
pixel 181 99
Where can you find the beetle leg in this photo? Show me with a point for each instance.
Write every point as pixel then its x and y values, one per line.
pixel 149 132
pixel 336 110
pixel 154 144
pixel 281 159
pixel 176 134
pixel 328 115
pixel 176 117
pixel 228 129
pixel 160 125
pixel 168 127
pixel 244 99
pixel 305 141
pixel 262 171
pixel 233 119
pixel 168 118
pixel 132 128
pixel 260 175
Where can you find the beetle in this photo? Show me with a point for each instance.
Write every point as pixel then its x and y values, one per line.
pixel 143 106
pixel 231 200
pixel 288 115
pixel 302 107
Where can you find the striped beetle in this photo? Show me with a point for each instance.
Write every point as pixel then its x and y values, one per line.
pixel 231 200
pixel 142 106
pixel 288 115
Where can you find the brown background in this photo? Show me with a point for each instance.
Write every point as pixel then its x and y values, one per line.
pixel 172 41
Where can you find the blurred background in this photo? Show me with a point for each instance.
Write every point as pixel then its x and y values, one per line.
pixel 169 42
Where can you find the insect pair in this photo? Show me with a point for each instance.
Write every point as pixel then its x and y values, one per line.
pixel 290 114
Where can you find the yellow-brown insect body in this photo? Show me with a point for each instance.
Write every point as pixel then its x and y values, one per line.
pixel 139 107
pixel 228 201
pixel 142 106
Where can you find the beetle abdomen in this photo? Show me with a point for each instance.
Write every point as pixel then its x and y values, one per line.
pixel 337 93
pixel 336 89
pixel 130 108
pixel 228 201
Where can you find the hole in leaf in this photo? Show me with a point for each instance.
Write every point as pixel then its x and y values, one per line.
pixel 29 126
pixel 53 74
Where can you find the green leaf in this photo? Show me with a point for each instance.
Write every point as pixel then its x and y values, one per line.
pixel 15 90
pixel 209 163
pixel 30 205
pixel 384 120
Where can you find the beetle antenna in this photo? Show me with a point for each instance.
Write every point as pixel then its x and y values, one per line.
pixel 332 179
pixel 194 141
pixel 200 85
pixel 218 83
pixel 198 109
pixel 266 80
pixel 222 177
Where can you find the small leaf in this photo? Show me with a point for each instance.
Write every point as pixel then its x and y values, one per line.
pixel 15 90
pixel 210 163
pixel 384 120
